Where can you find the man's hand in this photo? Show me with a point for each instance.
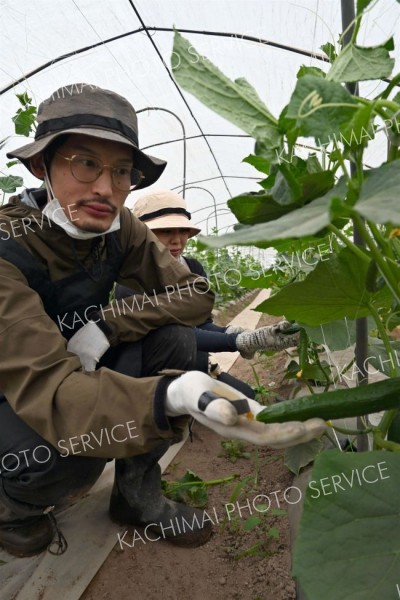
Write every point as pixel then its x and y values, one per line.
pixel 235 329
pixel 89 343
pixel 224 410
pixel 272 337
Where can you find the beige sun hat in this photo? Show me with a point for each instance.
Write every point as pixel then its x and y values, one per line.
pixel 164 209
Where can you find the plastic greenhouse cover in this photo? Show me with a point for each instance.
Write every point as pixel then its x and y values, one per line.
pixel 136 64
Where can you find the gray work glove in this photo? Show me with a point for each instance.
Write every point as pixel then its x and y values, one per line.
pixel 226 411
pixel 272 337
pixel 89 343
pixel 235 329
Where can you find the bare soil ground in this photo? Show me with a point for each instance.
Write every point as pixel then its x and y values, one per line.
pixel 236 563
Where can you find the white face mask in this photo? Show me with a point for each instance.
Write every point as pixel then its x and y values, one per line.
pixel 54 211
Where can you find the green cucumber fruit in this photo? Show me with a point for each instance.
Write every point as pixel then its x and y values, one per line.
pixel 371 276
pixel 303 349
pixel 338 404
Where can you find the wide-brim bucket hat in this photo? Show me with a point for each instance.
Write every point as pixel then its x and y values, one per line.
pixel 89 110
pixel 164 209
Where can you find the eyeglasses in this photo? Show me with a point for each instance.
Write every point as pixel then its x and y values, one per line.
pixel 87 169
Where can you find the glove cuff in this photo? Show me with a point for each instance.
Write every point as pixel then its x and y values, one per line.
pixel 103 326
pixel 160 418
pixel 245 344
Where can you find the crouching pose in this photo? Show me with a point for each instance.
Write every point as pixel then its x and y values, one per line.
pixel 166 214
pixel 69 401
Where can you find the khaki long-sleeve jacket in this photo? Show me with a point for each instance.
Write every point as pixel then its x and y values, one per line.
pixel 44 383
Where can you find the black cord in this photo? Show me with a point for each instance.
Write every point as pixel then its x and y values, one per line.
pixel 96 272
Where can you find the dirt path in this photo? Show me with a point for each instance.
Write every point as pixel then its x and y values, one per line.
pixel 236 564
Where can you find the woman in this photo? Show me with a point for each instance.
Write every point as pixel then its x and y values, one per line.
pixel 165 213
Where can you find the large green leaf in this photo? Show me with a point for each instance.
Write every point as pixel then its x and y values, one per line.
pixel 286 189
pixel 356 63
pixel 10 183
pixel 348 545
pixel 330 51
pixel 305 221
pixel 298 186
pixel 257 208
pixel 379 200
pixel 260 280
pixel 24 99
pixel 297 457
pixel 333 290
pixel 316 184
pixel 236 101
pixel 304 70
pixel 259 162
pixel 337 335
pixel 321 108
pixel 360 129
pixel 24 120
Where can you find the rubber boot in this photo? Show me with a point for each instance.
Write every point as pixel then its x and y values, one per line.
pixel 136 499
pixel 24 530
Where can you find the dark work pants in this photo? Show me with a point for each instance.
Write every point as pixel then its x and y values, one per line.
pixel 33 472
pixel 238 384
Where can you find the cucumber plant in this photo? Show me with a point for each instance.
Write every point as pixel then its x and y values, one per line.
pixel 301 200
pixel 225 269
pixel 304 201
pixel 24 123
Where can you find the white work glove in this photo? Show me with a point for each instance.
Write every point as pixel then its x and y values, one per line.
pixel 272 337
pixel 226 411
pixel 89 343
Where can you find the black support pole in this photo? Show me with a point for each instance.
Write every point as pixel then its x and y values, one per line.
pixel 361 352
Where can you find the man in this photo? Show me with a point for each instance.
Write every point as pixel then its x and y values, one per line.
pixel 70 398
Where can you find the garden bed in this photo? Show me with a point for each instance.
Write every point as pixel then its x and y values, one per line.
pixel 235 563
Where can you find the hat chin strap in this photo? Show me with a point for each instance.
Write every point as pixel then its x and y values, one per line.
pixel 55 212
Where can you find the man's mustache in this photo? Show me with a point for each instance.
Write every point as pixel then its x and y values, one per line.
pixel 111 206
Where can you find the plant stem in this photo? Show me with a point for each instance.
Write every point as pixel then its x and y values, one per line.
pixel 356 23
pixel 383 102
pixel 384 268
pixel 346 431
pixel 393 82
pixel 318 362
pixel 385 339
pixel 353 247
pixel 308 384
pixel 178 484
pixel 384 244
pixel 393 153
pixel 341 161
pixel 341 372
pixel 379 442
pixel 387 420
pixel 256 457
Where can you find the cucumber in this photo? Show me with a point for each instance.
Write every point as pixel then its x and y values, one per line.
pixel 338 404
pixel 303 349
pixel 371 276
